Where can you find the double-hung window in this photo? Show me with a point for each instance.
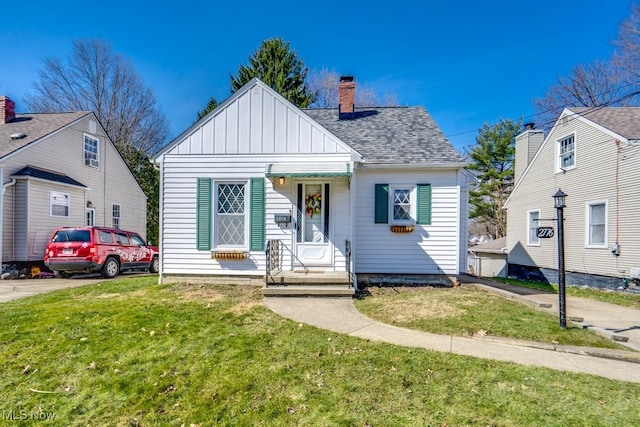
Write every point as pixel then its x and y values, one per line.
pixel 115 216
pixel 596 232
pixel 231 215
pixel 91 151
pixel 533 221
pixel 59 204
pixel 400 204
pixel 566 153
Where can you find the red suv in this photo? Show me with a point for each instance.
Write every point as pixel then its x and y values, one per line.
pixel 107 250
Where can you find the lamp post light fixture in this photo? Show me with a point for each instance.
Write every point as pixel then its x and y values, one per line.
pixel 559 203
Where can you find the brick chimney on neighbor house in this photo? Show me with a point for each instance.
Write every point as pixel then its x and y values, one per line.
pixel 7 110
pixel 346 98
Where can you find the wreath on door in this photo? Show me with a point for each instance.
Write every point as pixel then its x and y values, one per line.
pixel 313 202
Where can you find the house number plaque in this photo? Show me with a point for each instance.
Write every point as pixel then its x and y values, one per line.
pixel 544 232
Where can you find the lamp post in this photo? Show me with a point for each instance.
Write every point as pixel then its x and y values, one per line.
pixel 559 202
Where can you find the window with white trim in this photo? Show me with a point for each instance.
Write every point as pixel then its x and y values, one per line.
pixel 402 202
pixel 596 232
pixel 230 230
pixel 91 151
pixel 533 221
pixel 116 216
pixel 59 204
pixel 567 153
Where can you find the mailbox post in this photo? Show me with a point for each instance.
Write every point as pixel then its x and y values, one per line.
pixel 559 202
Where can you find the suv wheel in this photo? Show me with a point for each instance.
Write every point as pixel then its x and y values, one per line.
pixel 111 268
pixel 154 267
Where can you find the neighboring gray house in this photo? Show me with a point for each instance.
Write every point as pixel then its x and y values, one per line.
pixel 593 155
pixel 489 259
pixel 60 169
pixel 375 192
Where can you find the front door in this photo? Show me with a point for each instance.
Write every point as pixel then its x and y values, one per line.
pixel 313 245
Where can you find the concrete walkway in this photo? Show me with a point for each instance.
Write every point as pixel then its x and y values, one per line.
pixel 340 315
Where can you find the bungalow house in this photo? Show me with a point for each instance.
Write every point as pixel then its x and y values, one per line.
pixel 592 155
pixel 60 169
pixel 260 189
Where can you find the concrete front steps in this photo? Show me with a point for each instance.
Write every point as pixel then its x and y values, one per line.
pixel 308 283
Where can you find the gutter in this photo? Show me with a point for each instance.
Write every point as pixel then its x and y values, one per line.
pixel 453 165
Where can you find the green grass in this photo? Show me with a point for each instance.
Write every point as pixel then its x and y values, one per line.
pixel 469 310
pixel 623 298
pixel 132 353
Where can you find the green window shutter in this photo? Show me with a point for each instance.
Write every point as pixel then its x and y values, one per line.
pixel 424 204
pixel 203 214
pixel 382 204
pixel 256 218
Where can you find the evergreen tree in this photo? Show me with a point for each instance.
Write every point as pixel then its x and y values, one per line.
pixel 279 67
pixel 211 105
pixel 492 160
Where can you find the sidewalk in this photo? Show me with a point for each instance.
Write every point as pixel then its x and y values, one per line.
pixel 340 315
pixel 621 324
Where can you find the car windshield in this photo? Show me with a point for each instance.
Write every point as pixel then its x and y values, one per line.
pixel 72 236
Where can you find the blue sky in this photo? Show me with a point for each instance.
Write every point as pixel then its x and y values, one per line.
pixel 467 62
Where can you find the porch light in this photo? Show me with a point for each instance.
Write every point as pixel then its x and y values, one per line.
pixel 559 199
pixel 281 180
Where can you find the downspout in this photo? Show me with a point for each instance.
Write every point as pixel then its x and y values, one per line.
pixel 2 191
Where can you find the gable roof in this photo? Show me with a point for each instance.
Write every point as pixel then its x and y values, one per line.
pixel 48 175
pixel 247 89
pixel 625 121
pixel 35 126
pixel 391 135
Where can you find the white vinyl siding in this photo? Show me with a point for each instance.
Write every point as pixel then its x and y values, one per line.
pixel 596 224
pixel 533 221
pixel 178 245
pixel 430 248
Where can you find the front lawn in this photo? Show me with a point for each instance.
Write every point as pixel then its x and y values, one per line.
pixel 129 352
pixel 469 310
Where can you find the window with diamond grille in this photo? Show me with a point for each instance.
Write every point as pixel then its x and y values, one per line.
pixel 402 205
pixel 231 215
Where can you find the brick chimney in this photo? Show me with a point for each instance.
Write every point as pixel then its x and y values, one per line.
pixel 346 98
pixel 7 110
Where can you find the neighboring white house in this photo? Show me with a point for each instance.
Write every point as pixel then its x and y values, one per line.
pixel 593 155
pixel 375 192
pixel 60 169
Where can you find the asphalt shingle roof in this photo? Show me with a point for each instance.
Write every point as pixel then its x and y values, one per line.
pixel 48 175
pixel 391 135
pixel 624 121
pixel 35 126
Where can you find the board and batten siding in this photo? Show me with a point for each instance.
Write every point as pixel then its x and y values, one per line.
pixel 430 249
pixel 593 179
pixel 180 255
pixel 62 152
pixel 258 122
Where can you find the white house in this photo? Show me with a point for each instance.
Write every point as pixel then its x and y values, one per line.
pixel 260 188
pixel 592 155
pixel 57 170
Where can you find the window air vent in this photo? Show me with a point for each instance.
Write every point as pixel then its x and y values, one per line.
pixel 95 163
pixel 18 135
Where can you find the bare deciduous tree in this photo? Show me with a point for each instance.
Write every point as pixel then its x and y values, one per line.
pixel 628 56
pixel 323 84
pixel 94 78
pixel 599 84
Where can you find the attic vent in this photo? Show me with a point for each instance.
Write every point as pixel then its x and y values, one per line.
pixel 18 135
pixel 92 126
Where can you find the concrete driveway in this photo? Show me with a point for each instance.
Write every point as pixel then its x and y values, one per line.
pixel 19 288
